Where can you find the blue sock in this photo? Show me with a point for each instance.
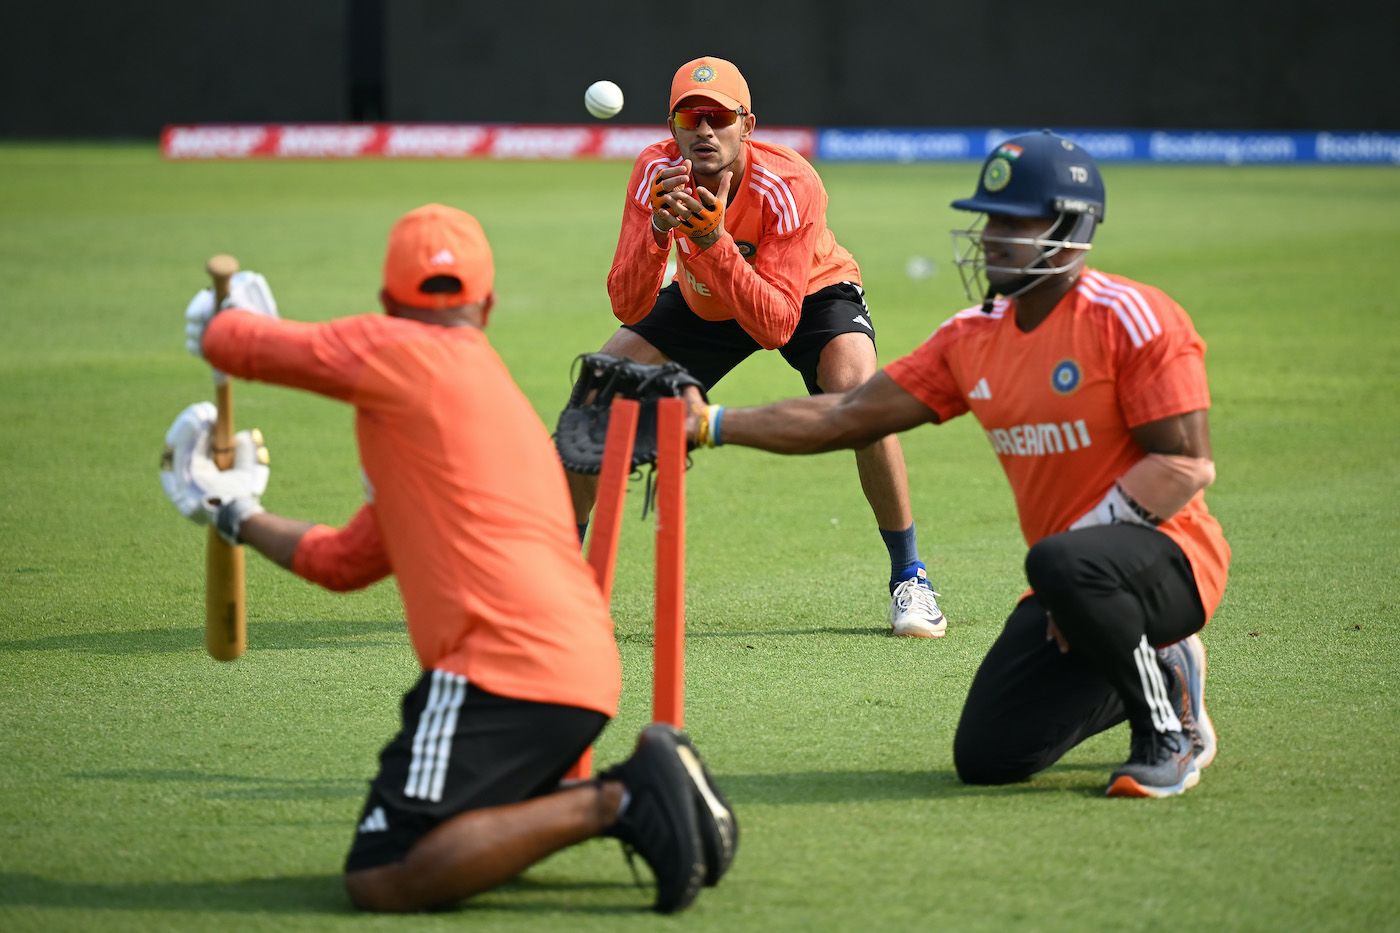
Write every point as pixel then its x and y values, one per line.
pixel 582 532
pixel 904 554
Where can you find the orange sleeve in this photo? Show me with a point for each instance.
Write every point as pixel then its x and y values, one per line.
pixel 326 358
pixel 766 298
pixel 349 558
pixel 1165 376
pixel 925 374
pixel 639 265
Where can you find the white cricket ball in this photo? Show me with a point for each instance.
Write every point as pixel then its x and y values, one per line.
pixel 603 99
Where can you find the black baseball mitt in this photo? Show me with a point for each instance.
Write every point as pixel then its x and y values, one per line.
pixel 583 424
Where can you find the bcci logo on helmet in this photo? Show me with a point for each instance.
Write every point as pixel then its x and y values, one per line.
pixel 702 74
pixel 998 174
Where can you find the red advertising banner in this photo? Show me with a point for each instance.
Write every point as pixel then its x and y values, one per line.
pixel 430 141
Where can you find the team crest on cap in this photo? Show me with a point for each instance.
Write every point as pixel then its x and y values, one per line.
pixel 1064 379
pixel 702 74
pixel 997 175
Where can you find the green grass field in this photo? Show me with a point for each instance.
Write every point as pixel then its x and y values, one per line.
pixel 145 786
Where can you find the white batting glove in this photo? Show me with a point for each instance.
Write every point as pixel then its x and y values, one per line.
pixel 1116 508
pixel 200 490
pixel 248 290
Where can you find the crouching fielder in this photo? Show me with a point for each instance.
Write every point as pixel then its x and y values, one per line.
pixel 469 511
pixel 1092 391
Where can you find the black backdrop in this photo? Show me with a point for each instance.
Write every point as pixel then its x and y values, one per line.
pixel 88 69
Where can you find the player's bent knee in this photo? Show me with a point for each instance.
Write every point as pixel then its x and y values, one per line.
pixel 980 766
pixel 1050 565
pixel 981 755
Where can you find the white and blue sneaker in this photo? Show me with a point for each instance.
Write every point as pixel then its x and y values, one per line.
pixel 914 608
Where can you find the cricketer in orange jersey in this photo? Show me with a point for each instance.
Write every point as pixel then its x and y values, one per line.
pixel 1091 389
pixel 757 268
pixel 468 510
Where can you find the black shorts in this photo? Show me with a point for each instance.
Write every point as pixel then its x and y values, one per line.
pixel 709 349
pixel 461 748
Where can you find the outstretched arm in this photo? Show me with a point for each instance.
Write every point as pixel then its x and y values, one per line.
pixel 820 423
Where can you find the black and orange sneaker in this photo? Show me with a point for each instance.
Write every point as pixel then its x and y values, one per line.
pixel 1161 764
pixel 659 821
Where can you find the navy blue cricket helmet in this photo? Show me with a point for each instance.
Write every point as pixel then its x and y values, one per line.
pixel 1034 175
pixel 1038 175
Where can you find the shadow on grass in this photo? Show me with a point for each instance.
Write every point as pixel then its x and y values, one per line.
pixel 222 786
pixel 262 636
pixel 304 894
pixel 866 631
pixel 804 787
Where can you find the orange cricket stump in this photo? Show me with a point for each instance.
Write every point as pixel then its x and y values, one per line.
pixel 668 685
pixel 612 486
pixel 607 519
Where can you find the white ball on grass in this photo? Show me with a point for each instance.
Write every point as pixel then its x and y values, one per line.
pixel 603 99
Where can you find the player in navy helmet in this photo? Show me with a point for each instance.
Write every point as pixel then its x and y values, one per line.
pixel 1038 175
pixel 1091 389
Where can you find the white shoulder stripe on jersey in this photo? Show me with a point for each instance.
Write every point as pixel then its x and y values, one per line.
pixel 775 205
pixel 1134 304
pixel 643 193
pixel 781 185
pixel 782 194
pixel 1137 305
pixel 998 311
pixel 1138 332
pixel 784 221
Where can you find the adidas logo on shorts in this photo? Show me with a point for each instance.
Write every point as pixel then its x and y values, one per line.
pixel 376 822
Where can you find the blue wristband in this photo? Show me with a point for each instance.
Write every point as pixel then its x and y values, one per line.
pixel 714 429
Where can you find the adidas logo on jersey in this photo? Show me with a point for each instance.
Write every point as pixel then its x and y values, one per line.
pixel 376 822
pixel 863 322
pixel 443 257
pixel 981 390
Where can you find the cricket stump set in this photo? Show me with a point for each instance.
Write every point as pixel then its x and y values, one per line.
pixel 668 663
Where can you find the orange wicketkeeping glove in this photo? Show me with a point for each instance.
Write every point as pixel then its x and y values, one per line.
pixel 658 195
pixel 704 221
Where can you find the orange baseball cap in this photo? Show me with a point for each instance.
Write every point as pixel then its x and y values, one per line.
pixel 714 78
pixel 436 240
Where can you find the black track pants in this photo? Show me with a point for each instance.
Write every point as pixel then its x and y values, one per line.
pixel 1115 592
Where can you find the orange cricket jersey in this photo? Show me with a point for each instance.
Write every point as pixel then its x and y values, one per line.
pixel 776 250
pixel 469 507
pixel 1057 404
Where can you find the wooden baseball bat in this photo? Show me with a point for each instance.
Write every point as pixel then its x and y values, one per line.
pixel 225 618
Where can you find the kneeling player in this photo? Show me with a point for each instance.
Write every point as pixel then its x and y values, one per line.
pixel 467 508
pixel 1092 391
